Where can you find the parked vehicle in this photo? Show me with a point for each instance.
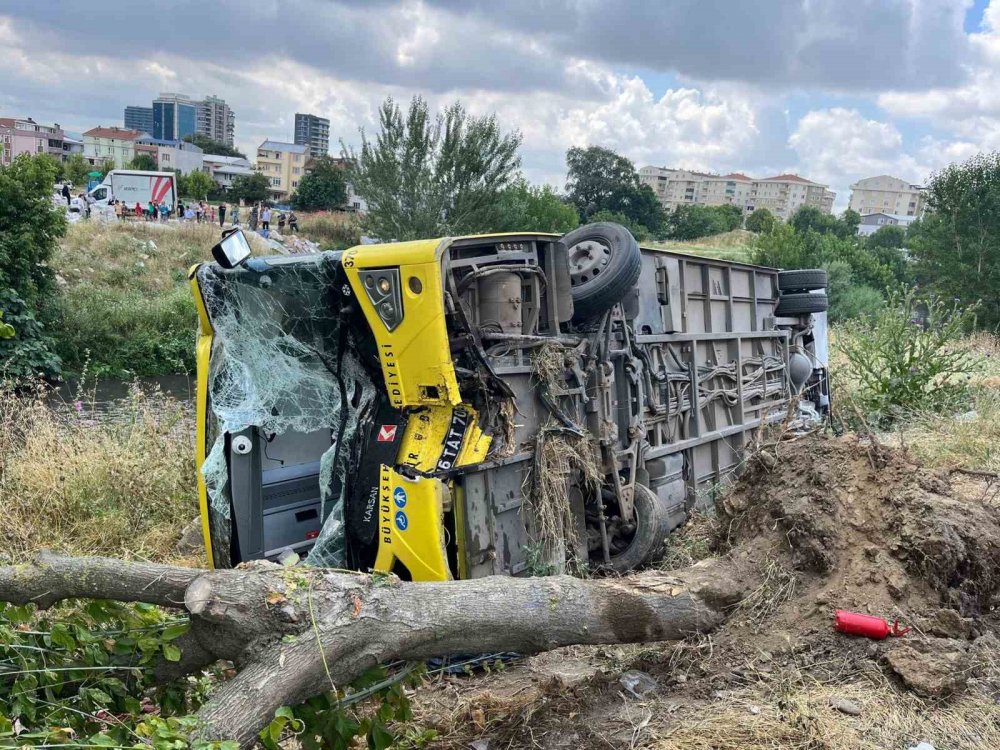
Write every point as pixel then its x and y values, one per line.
pixel 498 404
pixel 134 186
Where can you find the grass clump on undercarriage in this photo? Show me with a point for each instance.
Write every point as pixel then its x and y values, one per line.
pixel 565 458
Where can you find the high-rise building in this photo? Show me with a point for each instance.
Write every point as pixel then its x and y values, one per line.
pixel 139 118
pixel 174 116
pixel 887 195
pixel 216 120
pixel 782 194
pixel 313 132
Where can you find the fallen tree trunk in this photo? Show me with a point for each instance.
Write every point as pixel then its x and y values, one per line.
pixel 295 632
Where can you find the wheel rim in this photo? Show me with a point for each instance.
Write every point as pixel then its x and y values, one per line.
pixel 587 260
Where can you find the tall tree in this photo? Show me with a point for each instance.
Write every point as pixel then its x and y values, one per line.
pixel 323 189
pixel 212 146
pixel 250 188
pixel 525 207
pixel 75 170
pixel 144 162
pixel 761 221
pixel 600 180
pixel 196 185
pixel 424 176
pixel 956 247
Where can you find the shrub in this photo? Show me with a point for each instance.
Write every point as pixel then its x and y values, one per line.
pixel 28 352
pixel 899 365
pixel 125 332
pixel 761 220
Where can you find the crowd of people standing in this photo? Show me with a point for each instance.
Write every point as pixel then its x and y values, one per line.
pixel 259 214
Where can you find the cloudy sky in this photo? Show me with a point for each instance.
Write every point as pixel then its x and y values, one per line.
pixel 831 89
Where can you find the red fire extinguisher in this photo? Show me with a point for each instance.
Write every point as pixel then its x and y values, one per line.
pixel 855 623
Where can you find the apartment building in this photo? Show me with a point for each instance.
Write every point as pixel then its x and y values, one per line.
pixel 782 194
pixel 139 118
pixel 172 155
pixel 22 135
pixel 216 120
pixel 283 164
pixel 887 195
pixel 225 169
pixel 313 132
pixel 113 144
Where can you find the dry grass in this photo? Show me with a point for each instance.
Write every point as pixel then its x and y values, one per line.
pixel 133 255
pixel 732 246
pixel 332 230
pixel 796 715
pixel 122 487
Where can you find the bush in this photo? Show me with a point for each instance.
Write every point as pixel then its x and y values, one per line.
pixel 761 220
pixel 638 231
pixel 125 332
pixel 28 353
pixel 900 366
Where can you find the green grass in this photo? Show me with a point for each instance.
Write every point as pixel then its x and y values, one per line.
pixel 732 246
pixel 125 307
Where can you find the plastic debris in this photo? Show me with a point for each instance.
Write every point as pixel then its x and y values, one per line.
pixel 638 683
pixel 922 746
pixel 845 706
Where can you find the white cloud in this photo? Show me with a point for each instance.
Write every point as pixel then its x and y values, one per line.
pixel 970 111
pixel 837 146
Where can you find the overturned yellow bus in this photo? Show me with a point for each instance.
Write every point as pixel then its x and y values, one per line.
pixel 498 404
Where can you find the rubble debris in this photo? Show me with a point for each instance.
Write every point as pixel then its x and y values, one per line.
pixel 638 683
pixel 845 706
pixel 934 669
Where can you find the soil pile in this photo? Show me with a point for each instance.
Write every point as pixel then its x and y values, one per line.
pixel 827 524
pixel 863 527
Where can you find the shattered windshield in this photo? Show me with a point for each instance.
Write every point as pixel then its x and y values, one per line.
pixel 284 358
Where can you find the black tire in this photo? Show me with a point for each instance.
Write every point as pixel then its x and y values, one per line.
pixel 604 263
pixel 802 280
pixel 790 305
pixel 652 530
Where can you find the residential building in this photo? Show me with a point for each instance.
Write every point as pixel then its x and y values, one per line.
pixel 871 223
pixel 6 144
pixel 784 194
pixel 313 132
pixel 139 118
pixel 28 137
pixel 887 195
pixel 113 144
pixel 172 155
pixel 283 164
pixel 72 144
pixel 781 194
pixel 216 120
pixel 174 116
pixel 224 169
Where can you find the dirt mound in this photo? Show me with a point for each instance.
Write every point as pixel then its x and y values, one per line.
pixel 826 524
pixel 864 527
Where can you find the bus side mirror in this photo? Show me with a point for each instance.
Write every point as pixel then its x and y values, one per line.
pixel 232 250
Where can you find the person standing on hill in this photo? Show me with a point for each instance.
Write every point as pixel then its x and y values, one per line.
pixel 65 192
pixel 253 218
pixel 265 218
pixel 236 214
pixel 222 214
